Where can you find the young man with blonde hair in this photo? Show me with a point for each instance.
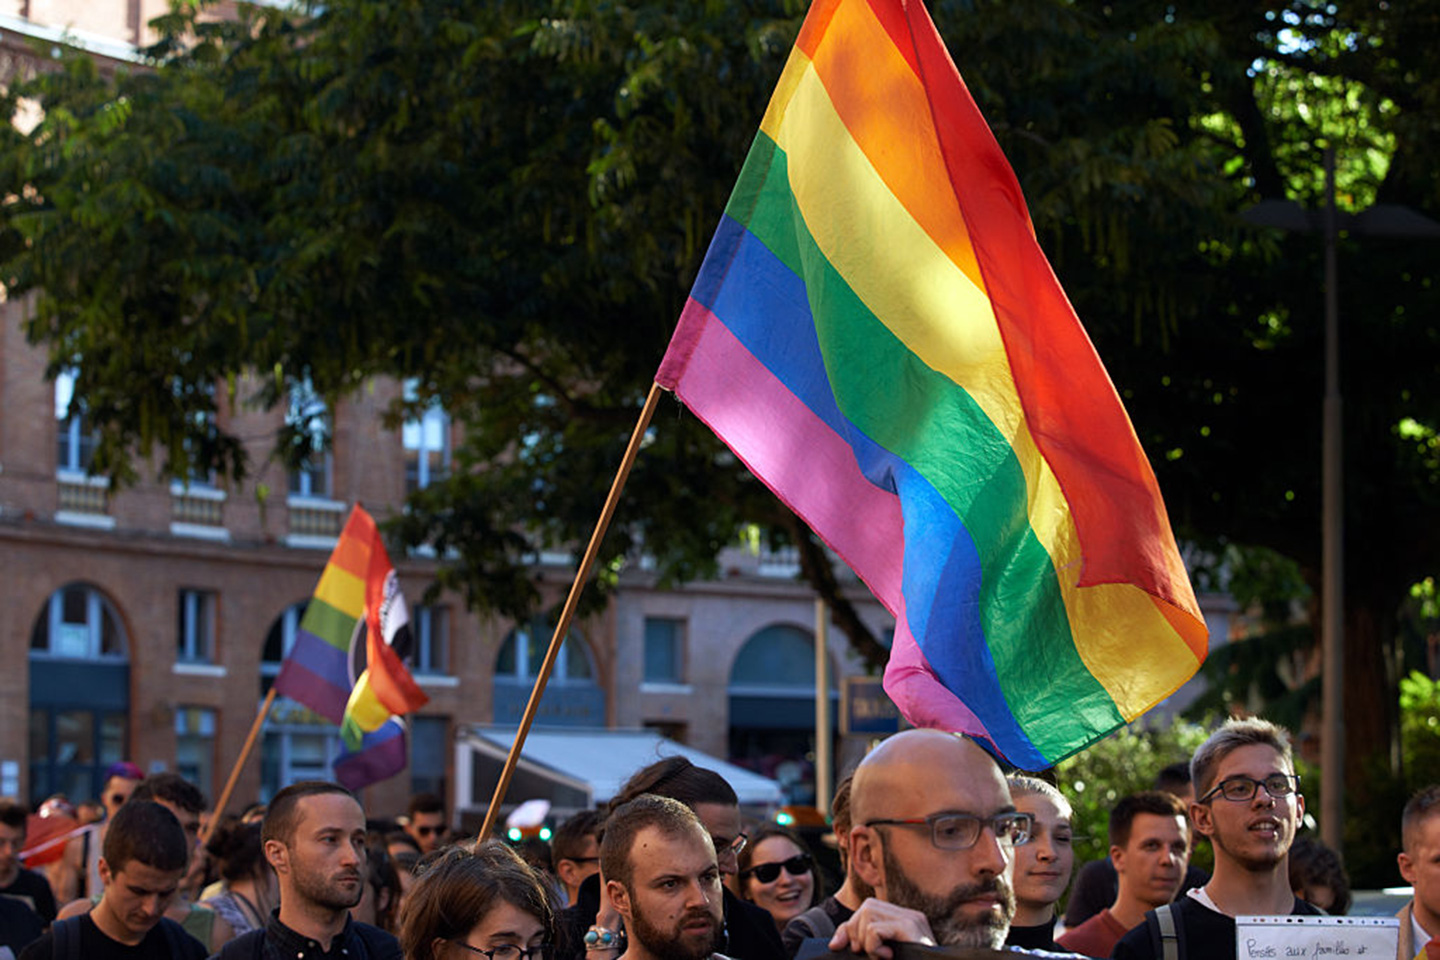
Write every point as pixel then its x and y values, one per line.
pixel 1248 802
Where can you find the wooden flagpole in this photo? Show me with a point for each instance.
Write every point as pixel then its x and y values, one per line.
pixel 219 809
pixel 567 613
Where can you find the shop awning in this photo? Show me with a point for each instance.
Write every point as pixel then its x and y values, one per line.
pixel 577 768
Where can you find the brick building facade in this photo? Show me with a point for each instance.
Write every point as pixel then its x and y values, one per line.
pixel 146 623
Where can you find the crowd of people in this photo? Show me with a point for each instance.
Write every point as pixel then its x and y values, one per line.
pixel 936 847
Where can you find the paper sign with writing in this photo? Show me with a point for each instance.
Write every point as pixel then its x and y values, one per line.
pixel 1330 938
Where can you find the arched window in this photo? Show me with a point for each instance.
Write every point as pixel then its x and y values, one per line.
pixel 524 650
pixel 80 622
pixel 778 659
pixel 278 643
pixel 572 695
pixel 772 707
pixel 298 744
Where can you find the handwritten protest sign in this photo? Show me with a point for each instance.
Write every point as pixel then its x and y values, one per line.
pixel 1333 938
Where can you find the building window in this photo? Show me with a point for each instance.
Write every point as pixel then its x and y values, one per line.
pixel 664 650
pixel 523 652
pixel 429 749
pixel 197 627
pixel 278 643
pixel 78 622
pixel 195 746
pixel 426 439
pixel 311 420
pixel 297 744
pixel 432 639
pixel 76 449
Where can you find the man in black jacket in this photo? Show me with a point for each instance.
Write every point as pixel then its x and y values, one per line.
pixel 314 836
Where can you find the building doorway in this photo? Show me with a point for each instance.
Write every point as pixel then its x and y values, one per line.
pixel 79 693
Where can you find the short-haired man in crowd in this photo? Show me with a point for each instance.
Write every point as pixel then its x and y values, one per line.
pixel 144 859
pixel 425 821
pixel 822 919
pixel 576 851
pixel 1248 803
pixel 186 802
pixel 933 831
pixel 17 882
pixel 1097 884
pixel 314 836
pixel 663 877
pixel 1419 861
pixel 1150 847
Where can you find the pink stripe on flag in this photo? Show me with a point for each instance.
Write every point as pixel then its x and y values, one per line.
pixel 911 684
pixel 739 399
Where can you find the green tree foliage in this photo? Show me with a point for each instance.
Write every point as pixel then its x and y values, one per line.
pixel 508 201
pixel 1126 762
pixel 1420 728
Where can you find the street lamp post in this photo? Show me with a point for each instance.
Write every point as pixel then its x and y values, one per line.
pixel 1381 220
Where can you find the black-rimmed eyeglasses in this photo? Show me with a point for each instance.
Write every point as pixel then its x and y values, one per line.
pixel 796 866
pixel 961 831
pixel 510 951
pixel 1240 789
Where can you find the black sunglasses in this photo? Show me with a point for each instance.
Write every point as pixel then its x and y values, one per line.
pixel 796 866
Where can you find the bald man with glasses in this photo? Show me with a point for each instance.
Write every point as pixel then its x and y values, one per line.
pixel 933 833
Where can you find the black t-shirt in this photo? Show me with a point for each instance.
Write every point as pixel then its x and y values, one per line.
pixel 33 890
pixel 1204 933
pixel 19 925
pixel 1039 937
pixel 95 945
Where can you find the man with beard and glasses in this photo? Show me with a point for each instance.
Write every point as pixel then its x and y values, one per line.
pixel 314 837
pixel 662 876
pixel 1248 803
pixel 934 831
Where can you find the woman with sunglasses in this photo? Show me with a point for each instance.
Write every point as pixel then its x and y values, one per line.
pixel 777 873
pixel 486 903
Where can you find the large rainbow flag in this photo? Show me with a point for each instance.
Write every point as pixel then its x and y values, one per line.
pixel 363 686
pixel 876 333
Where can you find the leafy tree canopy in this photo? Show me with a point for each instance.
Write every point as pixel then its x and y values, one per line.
pixel 508 201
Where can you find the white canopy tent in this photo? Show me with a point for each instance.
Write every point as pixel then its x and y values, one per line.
pixel 577 768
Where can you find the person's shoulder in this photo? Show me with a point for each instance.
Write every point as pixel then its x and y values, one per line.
pixel 31 880
pixel 379 944
pixel 1136 944
pixel 752 924
pixel 1304 909
pixel 42 949
pixel 1081 938
pixel 173 936
pixel 242 946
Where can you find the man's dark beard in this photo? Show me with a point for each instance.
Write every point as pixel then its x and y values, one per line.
pixel 950 928
pixel 670 946
pixel 326 892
